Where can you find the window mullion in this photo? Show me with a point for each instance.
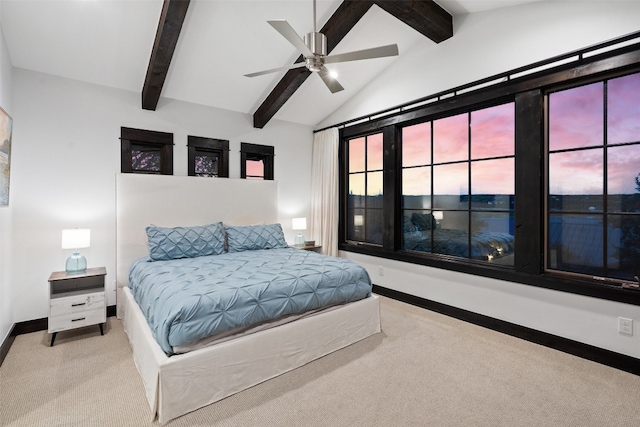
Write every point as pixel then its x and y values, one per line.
pixel 391 161
pixel 605 191
pixel 366 188
pixel 529 194
pixel 469 182
pixel 433 200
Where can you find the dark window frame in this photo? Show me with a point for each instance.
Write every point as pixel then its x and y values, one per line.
pixel 605 213
pixel 528 93
pixel 469 161
pixel 130 138
pixel 201 145
pixel 266 153
pixel 366 208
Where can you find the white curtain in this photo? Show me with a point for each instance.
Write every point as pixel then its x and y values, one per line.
pixel 324 190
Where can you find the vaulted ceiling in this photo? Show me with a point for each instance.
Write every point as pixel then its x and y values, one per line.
pixel 198 51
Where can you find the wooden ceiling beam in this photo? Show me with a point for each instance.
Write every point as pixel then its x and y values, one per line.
pixel 171 20
pixel 425 16
pixel 338 26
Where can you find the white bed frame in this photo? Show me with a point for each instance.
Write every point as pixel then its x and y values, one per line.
pixel 183 383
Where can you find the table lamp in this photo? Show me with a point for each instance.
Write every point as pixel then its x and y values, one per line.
pixel 75 239
pixel 438 216
pixel 299 224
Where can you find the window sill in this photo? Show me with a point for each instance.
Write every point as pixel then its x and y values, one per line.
pixel 591 288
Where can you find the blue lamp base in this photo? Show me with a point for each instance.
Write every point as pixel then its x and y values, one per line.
pixel 76 263
pixel 299 240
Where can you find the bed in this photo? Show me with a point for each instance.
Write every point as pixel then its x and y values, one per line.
pixel 178 382
pixel 421 233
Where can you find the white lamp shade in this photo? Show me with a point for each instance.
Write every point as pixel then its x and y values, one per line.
pixel 438 215
pixel 76 238
pixel 358 220
pixel 299 223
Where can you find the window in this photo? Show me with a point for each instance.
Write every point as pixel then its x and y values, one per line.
pixel 144 151
pixel 458 184
pixel 533 178
pixel 256 161
pixel 593 203
pixel 208 157
pixel 365 199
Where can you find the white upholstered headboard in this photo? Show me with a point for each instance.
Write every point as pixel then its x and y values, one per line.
pixel 171 201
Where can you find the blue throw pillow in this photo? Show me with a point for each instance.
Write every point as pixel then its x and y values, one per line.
pixel 254 237
pixel 423 221
pixel 185 242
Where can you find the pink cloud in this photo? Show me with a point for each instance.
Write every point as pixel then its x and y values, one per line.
pixel 493 131
pixel 576 117
pixel 623 109
pixel 356 154
pixel 374 152
pixel 255 168
pixel 623 165
pixel 451 179
pixel 576 172
pixel 451 139
pixel 416 145
pixel 493 176
pixel 416 181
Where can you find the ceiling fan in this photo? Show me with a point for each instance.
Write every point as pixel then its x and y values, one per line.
pixel 314 50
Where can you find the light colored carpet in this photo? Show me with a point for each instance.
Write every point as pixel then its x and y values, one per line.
pixel 425 369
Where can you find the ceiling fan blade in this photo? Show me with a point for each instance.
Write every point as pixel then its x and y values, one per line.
pixel 331 83
pixel 273 70
pixel 375 52
pixel 283 27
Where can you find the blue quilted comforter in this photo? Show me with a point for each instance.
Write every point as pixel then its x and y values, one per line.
pixel 185 300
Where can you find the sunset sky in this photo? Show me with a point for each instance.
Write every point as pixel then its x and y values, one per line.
pixel 255 168
pixel 576 120
pixel 492 135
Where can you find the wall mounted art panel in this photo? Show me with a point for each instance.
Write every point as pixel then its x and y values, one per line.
pixel 6 124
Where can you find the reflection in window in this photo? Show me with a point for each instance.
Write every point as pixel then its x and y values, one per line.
pixel 364 203
pixel 206 164
pixel 145 151
pixel 208 157
pixel 145 158
pixel 461 203
pixel 574 186
pixel 593 220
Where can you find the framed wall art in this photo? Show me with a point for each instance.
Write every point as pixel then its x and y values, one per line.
pixel 6 124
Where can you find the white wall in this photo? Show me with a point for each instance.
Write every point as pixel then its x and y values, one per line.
pixel 488 43
pixel 588 320
pixel 66 152
pixel 485 44
pixel 6 316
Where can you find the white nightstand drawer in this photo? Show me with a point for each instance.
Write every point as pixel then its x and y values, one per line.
pixel 76 304
pixel 77 320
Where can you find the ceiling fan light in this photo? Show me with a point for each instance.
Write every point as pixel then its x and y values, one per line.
pixel 314 64
pixel 333 74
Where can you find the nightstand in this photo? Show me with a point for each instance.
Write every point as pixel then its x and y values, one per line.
pixel 314 248
pixel 76 300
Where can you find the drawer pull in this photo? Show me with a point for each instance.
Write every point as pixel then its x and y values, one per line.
pixel 79 304
pixel 77 320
